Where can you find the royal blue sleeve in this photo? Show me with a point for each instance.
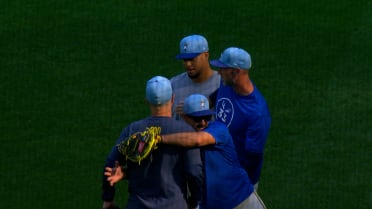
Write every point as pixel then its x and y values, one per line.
pixel 219 132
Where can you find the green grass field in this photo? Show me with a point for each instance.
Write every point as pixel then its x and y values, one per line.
pixel 73 75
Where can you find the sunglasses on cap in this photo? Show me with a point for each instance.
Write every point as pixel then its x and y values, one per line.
pixel 200 118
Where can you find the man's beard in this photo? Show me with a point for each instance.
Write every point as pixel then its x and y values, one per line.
pixel 194 76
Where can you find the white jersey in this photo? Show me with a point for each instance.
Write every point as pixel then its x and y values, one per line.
pixel 183 87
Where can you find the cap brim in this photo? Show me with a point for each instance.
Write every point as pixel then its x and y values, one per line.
pixel 217 63
pixel 201 113
pixel 187 56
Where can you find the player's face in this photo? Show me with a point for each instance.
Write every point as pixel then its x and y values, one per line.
pixel 198 123
pixel 227 75
pixel 195 65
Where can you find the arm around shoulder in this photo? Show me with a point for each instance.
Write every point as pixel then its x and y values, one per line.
pixel 189 139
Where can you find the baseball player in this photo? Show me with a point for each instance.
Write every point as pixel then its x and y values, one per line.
pixel 243 109
pixel 160 180
pixel 227 185
pixel 199 76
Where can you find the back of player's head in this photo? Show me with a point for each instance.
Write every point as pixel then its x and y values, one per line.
pixel 158 90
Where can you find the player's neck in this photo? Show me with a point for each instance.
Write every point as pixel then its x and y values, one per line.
pixel 243 86
pixel 161 111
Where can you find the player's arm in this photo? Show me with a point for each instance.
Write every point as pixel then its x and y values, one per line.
pixel 189 139
pixel 112 161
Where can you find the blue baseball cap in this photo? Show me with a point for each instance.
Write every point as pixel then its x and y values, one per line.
pixel 233 57
pixel 158 90
pixel 192 46
pixel 197 105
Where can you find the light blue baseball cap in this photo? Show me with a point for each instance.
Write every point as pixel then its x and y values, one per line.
pixel 197 105
pixel 158 90
pixel 233 57
pixel 191 46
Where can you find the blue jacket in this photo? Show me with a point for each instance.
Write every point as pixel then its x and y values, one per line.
pixel 226 183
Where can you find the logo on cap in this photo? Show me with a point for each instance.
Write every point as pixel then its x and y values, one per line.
pixel 202 103
pixel 197 105
pixel 185 47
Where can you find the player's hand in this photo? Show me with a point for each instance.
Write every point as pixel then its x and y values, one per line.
pixel 109 205
pixel 114 174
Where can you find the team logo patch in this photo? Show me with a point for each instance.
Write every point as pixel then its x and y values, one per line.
pixel 185 46
pixel 202 103
pixel 225 111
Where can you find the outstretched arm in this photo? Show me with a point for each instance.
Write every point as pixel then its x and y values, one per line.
pixel 189 139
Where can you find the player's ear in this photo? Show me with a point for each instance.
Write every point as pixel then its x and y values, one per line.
pixel 206 55
pixel 237 71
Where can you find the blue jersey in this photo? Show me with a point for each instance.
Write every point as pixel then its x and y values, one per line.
pixel 248 120
pixel 227 183
pixel 161 180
